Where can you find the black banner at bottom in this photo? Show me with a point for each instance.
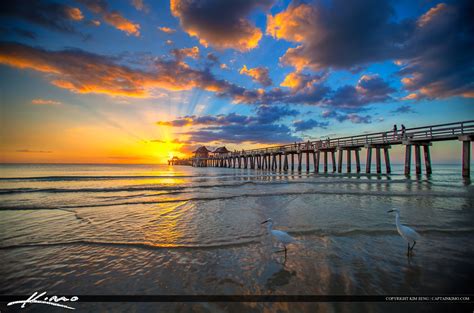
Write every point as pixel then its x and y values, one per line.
pixel 256 298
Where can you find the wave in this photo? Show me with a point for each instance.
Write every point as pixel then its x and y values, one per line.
pixel 142 245
pixel 150 188
pixel 377 232
pixel 259 195
pixel 126 177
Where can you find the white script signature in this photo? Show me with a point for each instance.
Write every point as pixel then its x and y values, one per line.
pixel 40 298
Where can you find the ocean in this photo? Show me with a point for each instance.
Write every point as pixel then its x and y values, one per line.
pixel 163 230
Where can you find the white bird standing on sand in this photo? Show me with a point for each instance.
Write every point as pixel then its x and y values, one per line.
pixel 409 234
pixel 281 236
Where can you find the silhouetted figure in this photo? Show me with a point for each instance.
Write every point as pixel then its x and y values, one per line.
pixel 395 131
pixel 403 131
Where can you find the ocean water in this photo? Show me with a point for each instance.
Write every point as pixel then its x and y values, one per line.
pixel 154 229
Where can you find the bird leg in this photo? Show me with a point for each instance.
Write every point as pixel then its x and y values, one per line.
pixel 285 252
pixel 414 243
pixel 408 250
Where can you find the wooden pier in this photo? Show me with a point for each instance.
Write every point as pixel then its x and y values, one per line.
pixel 282 158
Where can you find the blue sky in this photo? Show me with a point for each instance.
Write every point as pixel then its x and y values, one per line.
pixel 138 81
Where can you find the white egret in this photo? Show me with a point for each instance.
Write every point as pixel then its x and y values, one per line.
pixel 407 233
pixel 281 236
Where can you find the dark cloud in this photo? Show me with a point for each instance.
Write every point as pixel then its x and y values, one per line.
pixel 302 125
pixel 180 54
pixel 338 34
pixel 439 61
pixel 352 117
pixel 404 109
pixel 236 128
pixel 222 24
pixel 17 31
pixel 212 57
pixel 369 89
pixel 265 114
pixel 50 14
pixel 252 133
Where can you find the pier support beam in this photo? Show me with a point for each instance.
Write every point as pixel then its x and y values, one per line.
pixel 292 162
pixel 316 155
pixel 339 164
pixel 356 151
pixel 285 163
pixel 466 156
pixel 307 161
pixel 387 160
pixel 279 163
pixel 368 162
pixel 418 159
pixel 300 157
pixel 407 160
pixel 333 161
pixel 426 152
pixel 348 156
pixel 378 161
pixel 325 161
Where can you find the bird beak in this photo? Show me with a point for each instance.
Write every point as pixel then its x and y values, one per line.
pixel 390 211
pixel 264 222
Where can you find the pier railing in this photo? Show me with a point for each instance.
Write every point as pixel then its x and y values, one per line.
pixel 438 132
pixel 276 157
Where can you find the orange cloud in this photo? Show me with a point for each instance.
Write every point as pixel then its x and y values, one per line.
pixel 83 72
pixel 428 16
pixel 167 30
pixel 74 14
pixel 258 74
pixel 45 102
pixel 121 23
pixel 292 24
pixel 113 18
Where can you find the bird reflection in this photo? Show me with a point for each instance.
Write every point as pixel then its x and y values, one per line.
pixel 279 279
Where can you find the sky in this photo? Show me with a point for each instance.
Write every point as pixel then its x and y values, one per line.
pixel 140 81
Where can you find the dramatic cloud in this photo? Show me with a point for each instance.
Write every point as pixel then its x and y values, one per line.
pixel 301 125
pixel 113 18
pixel 45 102
pixel 439 62
pixel 56 16
pixel 167 30
pixel 236 128
pixel 337 34
pixel 84 72
pixel 435 50
pixel 258 74
pixel 221 24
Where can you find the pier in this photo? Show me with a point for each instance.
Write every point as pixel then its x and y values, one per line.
pixel 322 153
